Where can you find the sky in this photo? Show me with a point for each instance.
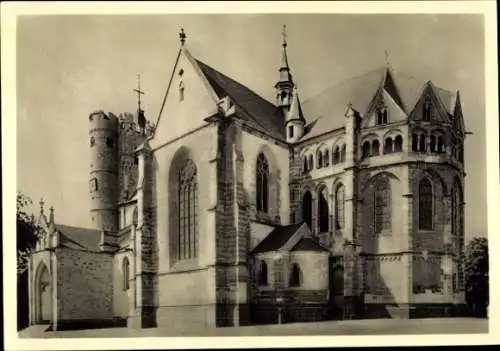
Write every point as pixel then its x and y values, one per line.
pixel 69 66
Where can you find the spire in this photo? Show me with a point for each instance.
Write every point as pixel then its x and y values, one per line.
pixel 295 112
pixel 51 215
pixel 284 86
pixel 141 120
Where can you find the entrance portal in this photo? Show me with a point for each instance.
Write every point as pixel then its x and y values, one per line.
pixel 43 296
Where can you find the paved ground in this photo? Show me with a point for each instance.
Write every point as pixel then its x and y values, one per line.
pixel 356 327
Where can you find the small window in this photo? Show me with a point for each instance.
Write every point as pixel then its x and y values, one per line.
pixel 398 144
pixel 326 158
pixel 388 146
pixel 290 131
pixel 295 276
pixel 305 164
pixel 126 274
pixel 92 141
pixel 136 160
pixel 263 274
pixel 311 162
pixel 110 142
pixel 320 159
pixel 336 156
pixel 93 185
pixel 342 154
pixel 366 149
pixel 375 148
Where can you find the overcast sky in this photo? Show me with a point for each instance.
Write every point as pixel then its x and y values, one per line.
pixel 69 66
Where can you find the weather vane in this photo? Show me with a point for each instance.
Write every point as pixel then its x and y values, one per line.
pixel 283 33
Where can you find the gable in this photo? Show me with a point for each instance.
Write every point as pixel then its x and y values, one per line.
pixel 383 99
pixel 189 101
pixel 438 113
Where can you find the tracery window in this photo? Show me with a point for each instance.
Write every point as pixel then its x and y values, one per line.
pixel 262 175
pixel 425 205
pixel 188 211
pixel 382 206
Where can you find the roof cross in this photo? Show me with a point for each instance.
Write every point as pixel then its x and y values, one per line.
pixel 182 36
pixel 283 33
pixel 138 91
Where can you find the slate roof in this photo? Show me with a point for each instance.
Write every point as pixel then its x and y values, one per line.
pixel 255 110
pixel 84 238
pixel 308 244
pixel 277 238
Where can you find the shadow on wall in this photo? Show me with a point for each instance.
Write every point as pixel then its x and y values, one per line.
pixel 22 301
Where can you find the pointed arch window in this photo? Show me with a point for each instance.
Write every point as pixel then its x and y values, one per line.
pixel 126 274
pixel 320 159
pixel 263 274
pixel 382 207
pixel 375 148
pixel 323 210
pixel 336 155
pixel 339 207
pixel 326 158
pixel 427 109
pixel 311 162
pixel 425 205
pixel 398 143
pixel 188 211
pixel 295 275
pixel 262 183
pixel 342 154
pixel 307 208
pixel 382 115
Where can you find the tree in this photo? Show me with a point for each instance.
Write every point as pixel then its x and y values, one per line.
pixel 477 276
pixel 28 231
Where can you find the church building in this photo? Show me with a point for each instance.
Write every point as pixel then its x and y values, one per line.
pixel 234 210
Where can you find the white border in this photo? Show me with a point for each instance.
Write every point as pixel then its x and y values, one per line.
pixel 9 12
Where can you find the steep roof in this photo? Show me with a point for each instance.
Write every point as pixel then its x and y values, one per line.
pixel 277 238
pixel 255 110
pixel 84 238
pixel 325 111
pixel 308 244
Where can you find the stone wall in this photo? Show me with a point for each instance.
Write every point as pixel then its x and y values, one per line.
pixel 85 285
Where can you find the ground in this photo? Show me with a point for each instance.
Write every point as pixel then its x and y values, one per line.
pixel 353 327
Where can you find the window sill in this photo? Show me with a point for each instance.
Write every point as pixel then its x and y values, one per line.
pixel 184 265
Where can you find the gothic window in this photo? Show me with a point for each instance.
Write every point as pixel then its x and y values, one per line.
pixel 440 144
pixel 366 149
pixel 311 162
pixel 307 209
pixel 414 142
pixel 323 210
pixel 398 143
pixel 188 211
pixel 262 183
pixel 326 158
pixel 388 146
pixel 339 207
pixel 263 273
pixel 433 144
pixel 425 205
pixel 126 274
pixel 305 164
pixel 375 148
pixel 336 155
pixel 92 141
pixel 382 115
pixel 421 143
pixel 320 159
pixel 295 275
pixel 109 142
pixel 382 206
pixel 342 154
pixel 290 131
pixel 427 109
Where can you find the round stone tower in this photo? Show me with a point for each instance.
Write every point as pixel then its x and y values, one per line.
pixel 104 189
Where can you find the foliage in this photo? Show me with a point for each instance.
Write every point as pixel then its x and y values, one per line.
pixel 28 230
pixel 477 272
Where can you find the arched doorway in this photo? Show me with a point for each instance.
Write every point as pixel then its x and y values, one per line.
pixel 43 301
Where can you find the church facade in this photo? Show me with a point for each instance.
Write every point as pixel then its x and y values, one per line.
pixel 233 210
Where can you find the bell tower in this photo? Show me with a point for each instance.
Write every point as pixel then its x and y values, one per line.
pixel 284 86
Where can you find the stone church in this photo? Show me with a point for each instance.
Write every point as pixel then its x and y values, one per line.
pixel 234 210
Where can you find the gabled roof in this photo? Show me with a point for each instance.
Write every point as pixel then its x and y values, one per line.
pixel 253 109
pixel 308 244
pixel 277 238
pixel 326 111
pixel 84 238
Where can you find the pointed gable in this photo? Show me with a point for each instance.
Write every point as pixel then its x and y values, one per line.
pixel 432 95
pixel 250 107
pixel 458 118
pixel 189 100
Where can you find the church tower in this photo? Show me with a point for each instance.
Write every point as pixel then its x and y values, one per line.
pixel 284 86
pixel 103 187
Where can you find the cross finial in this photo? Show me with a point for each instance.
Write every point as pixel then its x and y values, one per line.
pixel 283 33
pixel 182 36
pixel 139 92
pixel 41 205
